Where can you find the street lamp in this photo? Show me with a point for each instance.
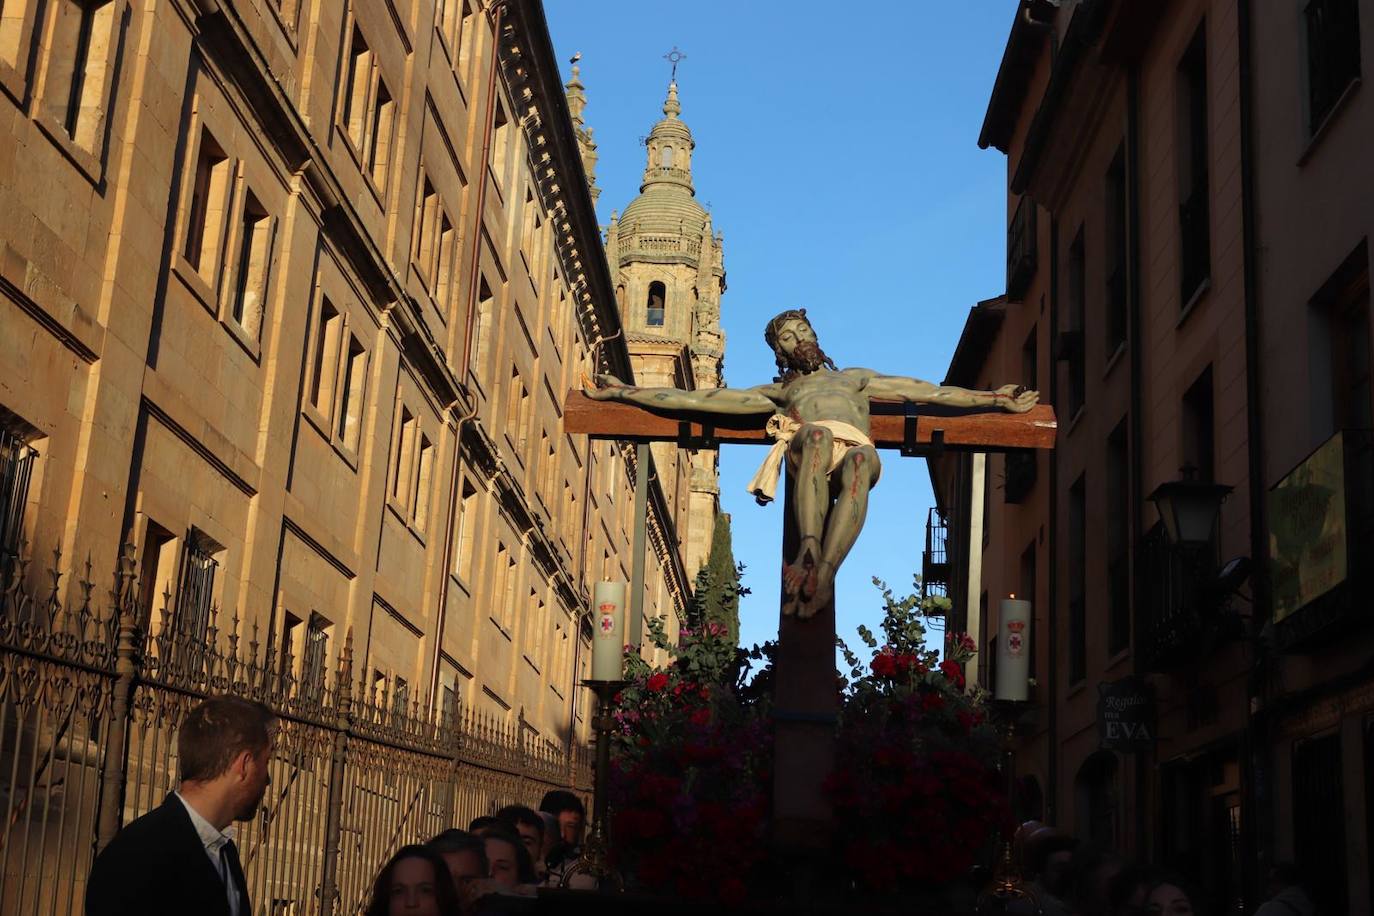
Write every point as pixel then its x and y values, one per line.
pixel 1189 508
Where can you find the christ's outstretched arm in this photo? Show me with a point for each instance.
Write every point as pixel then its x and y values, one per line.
pixel 1011 398
pixel 738 401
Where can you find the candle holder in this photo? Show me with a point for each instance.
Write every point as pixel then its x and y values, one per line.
pixel 596 849
pixel 1008 886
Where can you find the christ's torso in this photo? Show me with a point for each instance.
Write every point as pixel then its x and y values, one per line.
pixel 827 395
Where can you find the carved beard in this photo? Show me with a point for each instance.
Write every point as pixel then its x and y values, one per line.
pixel 807 357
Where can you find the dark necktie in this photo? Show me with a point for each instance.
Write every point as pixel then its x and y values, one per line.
pixel 232 870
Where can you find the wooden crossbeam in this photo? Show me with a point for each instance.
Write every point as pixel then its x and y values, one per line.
pixel 894 425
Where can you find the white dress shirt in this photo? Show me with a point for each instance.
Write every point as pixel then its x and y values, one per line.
pixel 214 839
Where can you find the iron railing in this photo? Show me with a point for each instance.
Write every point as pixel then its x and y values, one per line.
pixel 90 707
pixel 16 470
pixel 935 559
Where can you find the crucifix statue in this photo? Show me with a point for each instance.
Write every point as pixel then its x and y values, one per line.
pixel 825 426
pixel 819 422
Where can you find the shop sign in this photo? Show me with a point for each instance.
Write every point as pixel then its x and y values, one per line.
pixel 1307 540
pixel 1125 715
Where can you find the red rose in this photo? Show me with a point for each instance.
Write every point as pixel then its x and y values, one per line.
pixel 701 716
pixel 657 682
pixel 932 702
pixel 954 671
pixel 884 664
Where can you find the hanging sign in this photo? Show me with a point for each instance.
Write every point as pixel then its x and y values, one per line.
pixel 1126 715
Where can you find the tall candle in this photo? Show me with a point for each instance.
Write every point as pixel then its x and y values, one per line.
pixel 608 631
pixel 1013 650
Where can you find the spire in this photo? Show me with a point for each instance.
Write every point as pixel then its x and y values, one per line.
pixel 670 145
pixel 577 104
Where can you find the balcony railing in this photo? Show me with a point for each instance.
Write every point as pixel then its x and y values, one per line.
pixel 1321 523
pixel 1021 249
pixel 16 470
pixel 935 558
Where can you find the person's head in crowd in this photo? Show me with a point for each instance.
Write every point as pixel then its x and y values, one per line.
pixel 224 747
pixel 1283 875
pixel 1050 852
pixel 1127 889
pixel 529 826
pixel 464 854
pixel 510 862
pixel 1091 870
pixel 570 812
pixel 551 836
pixel 415 882
pixel 481 824
pixel 1168 895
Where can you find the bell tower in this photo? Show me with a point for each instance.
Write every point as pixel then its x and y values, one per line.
pixel 669 265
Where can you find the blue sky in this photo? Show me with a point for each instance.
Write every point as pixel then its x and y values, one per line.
pixel 837 150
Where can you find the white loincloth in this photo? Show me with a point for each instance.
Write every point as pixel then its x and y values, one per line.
pixel 764 485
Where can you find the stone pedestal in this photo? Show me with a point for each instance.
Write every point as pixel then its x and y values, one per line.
pixel 805 707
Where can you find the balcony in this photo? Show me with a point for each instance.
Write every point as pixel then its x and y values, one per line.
pixel 935 562
pixel 1321 523
pixel 1021 249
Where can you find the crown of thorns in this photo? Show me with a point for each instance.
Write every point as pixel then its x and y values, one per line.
pixel 770 331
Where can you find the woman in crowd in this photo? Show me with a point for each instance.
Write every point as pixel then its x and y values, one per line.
pixel 415 882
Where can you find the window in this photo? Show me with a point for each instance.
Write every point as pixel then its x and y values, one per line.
pixel 17 459
pixel 250 285
pixel 1071 348
pixel 424 479
pixel 462 538
pixel 1193 210
pixel 205 214
pixel 313 655
pixel 444 286
pixel 426 234
pixel 79 66
pixel 1319 818
pixel 654 306
pixel 368 112
pixel 1333 54
pixel 351 406
pixel 1096 797
pixel 1021 249
pixel 155 572
pixel 402 472
pixel 195 588
pixel 400 696
pixel 1030 360
pixel 500 144
pixel 667 157
pixel 1118 541
pixel 1116 268
pixel 481 329
pixel 1078 561
pixel 518 413
pixel 1198 428
pixel 1352 393
pixel 328 333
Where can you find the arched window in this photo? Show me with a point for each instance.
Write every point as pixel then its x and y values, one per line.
pixel 667 158
pixel 1096 799
pixel 653 312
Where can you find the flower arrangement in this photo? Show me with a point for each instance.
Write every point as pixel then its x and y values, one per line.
pixel 915 788
pixel 691 767
pixel 915 759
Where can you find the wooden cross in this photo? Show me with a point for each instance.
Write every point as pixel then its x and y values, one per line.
pixel 805 702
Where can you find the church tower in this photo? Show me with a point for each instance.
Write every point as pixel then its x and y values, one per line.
pixel 669 266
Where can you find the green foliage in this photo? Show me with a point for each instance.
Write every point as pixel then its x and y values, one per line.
pixel 717 590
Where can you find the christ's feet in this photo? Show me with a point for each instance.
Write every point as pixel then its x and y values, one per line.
pixel 799 578
pixel 822 592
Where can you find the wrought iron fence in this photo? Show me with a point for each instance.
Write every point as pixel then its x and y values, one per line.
pixel 90 706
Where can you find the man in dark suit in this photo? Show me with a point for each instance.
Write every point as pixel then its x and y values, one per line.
pixel 180 858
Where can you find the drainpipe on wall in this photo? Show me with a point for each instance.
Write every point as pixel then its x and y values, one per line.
pixel 973 622
pixel 494 13
pixel 1052 617
pixel 1137 424
pixel 1257 827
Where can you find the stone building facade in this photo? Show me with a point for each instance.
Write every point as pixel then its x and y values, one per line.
pixel 1187 283
pixel 290 295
